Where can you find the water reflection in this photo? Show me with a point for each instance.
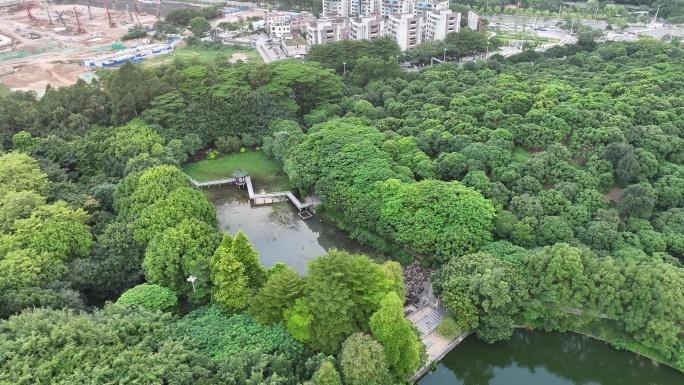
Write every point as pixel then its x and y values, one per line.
pixel 542 358
pixel 276 231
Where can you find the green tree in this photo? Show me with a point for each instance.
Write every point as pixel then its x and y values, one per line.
pixel 18 205
pixel 199 26
pixel 181 203
pixel 345 290
pixel 229 277
pixel 326 375
pixel 23 141
pixel 637 201
pixel 27 267
pixel 140 190
pixel 412 213
pixel 394 272
pixel 483 293
pixel 298 319
pixel 141 338
pixel 244 253
pixel 395 334
pixel 153 297
pixel 56 229
pixel 279 293
pixel 181 251
pixel 363 361
pixel 20 172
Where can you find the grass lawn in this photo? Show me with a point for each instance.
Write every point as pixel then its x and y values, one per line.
pixel 264 171
pixel 4 90
pixel 520 155
pixel 204 55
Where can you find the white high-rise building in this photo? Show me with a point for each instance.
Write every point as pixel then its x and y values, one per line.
pixel 405 29
pixel 366 27
pixel 474 21
pixel 339 7
pixel 348 8
pixel 390 7
pixel 326 31
pixel 408 22
pixel 440 21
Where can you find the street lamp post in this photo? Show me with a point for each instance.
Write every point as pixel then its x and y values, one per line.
pixel 596 14
pixel 444 60
pixel 192 280
pixel 487 54
pixel 344 68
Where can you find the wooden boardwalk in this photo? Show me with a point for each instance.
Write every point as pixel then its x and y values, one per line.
pixel 250 191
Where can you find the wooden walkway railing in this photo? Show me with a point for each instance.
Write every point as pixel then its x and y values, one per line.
pixel 250 191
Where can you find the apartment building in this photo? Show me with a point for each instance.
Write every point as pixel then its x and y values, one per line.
pixel 391 7
pixel 326 31
pixel 474 22
pixel 366 27
pixel 440 21
pixel 349 8
pixel 408 22
pixel 405 29
pixel 339 7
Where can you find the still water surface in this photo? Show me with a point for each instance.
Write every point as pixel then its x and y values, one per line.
pixel 276 231
pixel 528 358
pixel 543 358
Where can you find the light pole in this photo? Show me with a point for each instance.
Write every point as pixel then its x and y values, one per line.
pixel 596 14
pixel 192 280
pixel 487 54
pixel 572 26
pixel 444 59
pixel 344 68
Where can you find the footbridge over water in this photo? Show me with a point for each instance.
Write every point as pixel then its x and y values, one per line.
pixel 247 182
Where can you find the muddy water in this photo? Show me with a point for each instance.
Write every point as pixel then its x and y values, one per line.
pixel 276 231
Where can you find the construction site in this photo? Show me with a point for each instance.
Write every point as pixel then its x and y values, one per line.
pixel 45 43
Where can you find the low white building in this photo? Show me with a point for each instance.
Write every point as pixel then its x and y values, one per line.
pixel 277 24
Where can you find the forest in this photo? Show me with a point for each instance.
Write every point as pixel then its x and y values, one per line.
pixel 546 188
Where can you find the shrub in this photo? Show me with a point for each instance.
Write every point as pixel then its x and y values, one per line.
pixel 242 149
pixel 153 297
pixel 228 144
pixel 134 34
pixel 448 328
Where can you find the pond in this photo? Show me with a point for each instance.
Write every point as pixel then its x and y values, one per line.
pixel 276 231
pixel 544 358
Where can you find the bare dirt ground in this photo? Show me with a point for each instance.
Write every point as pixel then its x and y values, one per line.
pixel 613 195
pixel 55 57
pixel 233 17
pixel 238 56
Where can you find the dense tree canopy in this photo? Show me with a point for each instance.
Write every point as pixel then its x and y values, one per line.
pixel 547 186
